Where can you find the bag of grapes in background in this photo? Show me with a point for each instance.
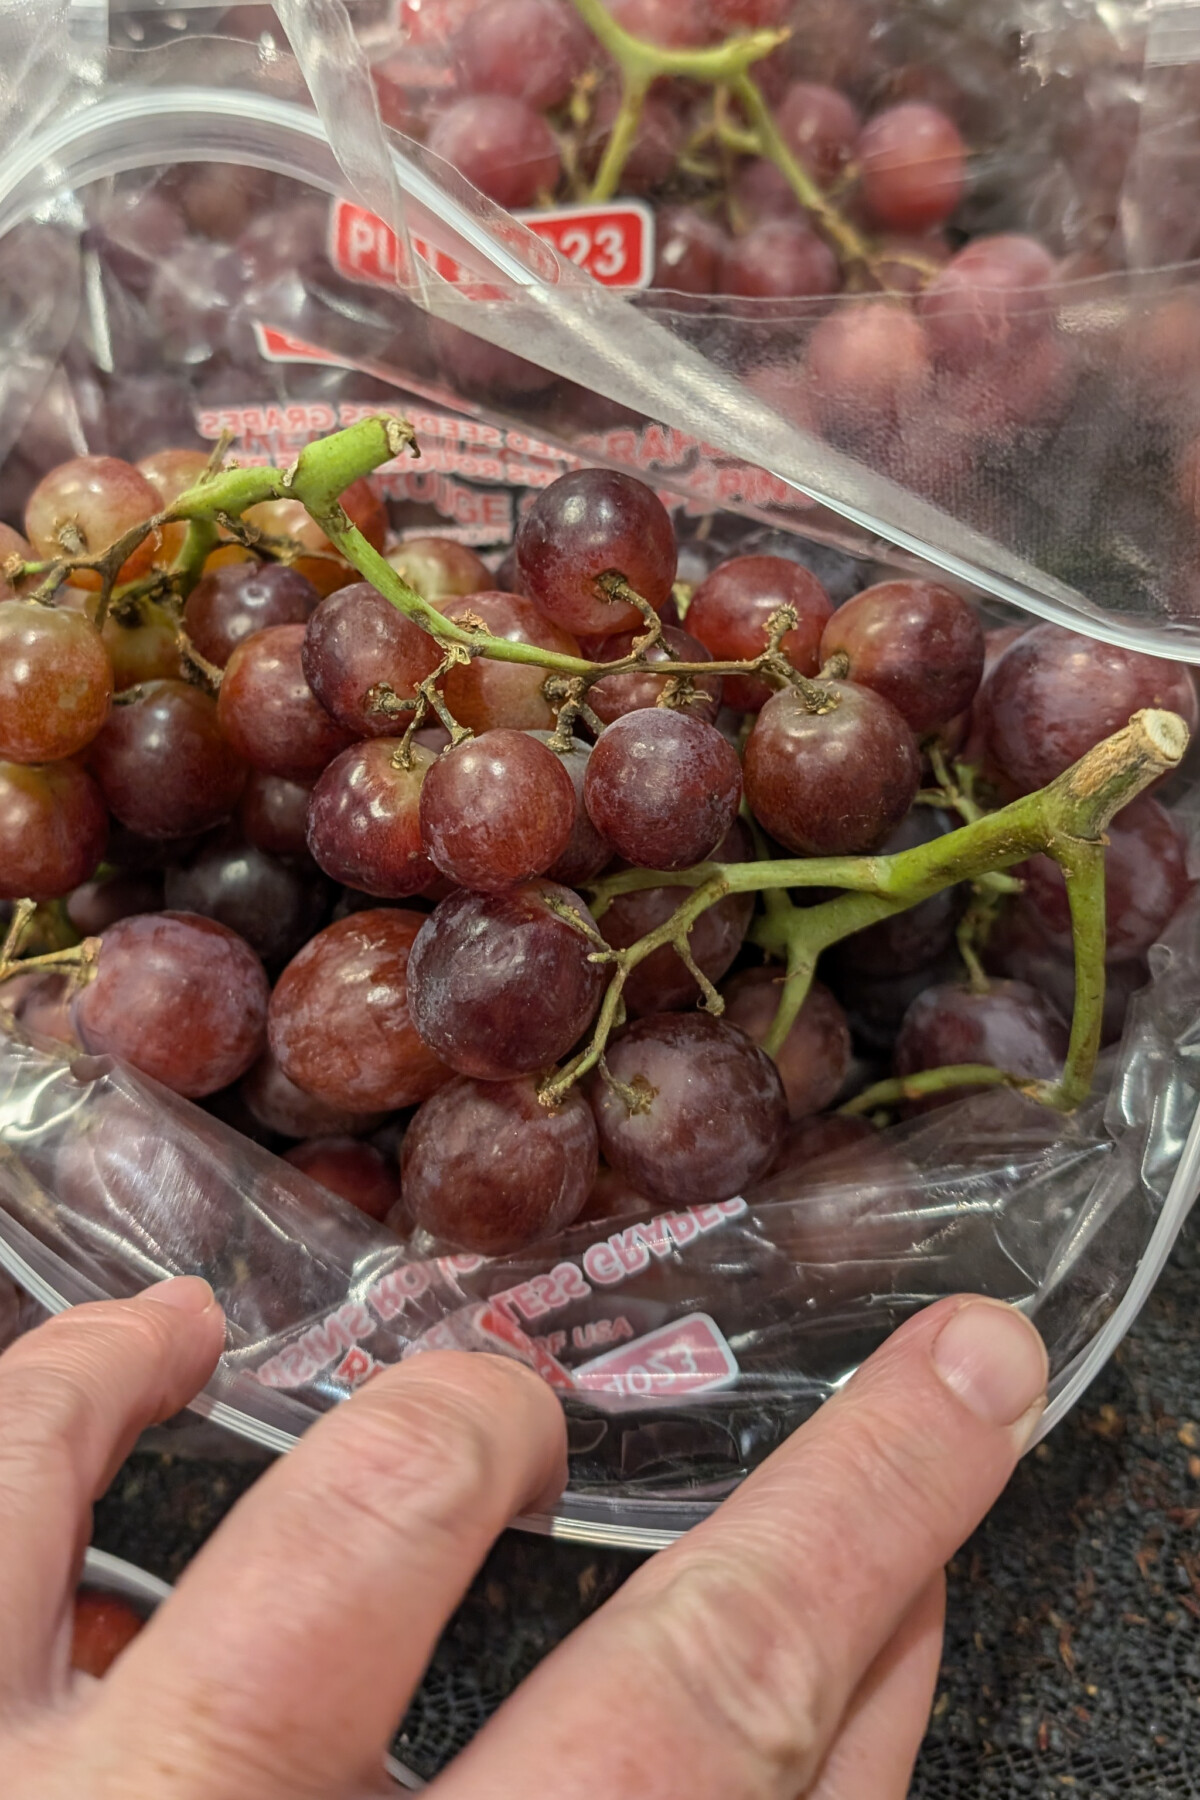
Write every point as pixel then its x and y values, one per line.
pixel 473 890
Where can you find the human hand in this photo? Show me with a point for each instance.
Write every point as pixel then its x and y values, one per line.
pixel 787 1647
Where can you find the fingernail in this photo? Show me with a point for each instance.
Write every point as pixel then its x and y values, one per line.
pixel 993 1359
pixel 189 1293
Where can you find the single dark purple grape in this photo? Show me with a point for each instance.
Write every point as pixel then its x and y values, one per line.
pixel 180 997
pixel 358 643
pixel 273 814
pixel 231 603
pixel 587 852
pixel 95 905
pixel 268 712
pixel 1011 1026
pixel 275 905
pixel 914 939
pixel 589 523
pixel 504 984
pixel 663 788
pixel 699 1111
pixel 164 766
pixel 814 1058
pixel 497 810
pixel 281 1107
pixel 916 643
pixel 615 695
pixel 831 782
pixel 364 819
pixel 356 1172
pixel 53 827
pixel 487 1168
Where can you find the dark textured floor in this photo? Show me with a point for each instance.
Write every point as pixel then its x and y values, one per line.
pixel 1072 1659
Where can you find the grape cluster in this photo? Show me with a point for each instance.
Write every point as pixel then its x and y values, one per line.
pixel 412 909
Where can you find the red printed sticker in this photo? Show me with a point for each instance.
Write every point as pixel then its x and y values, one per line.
pixel 614 242
pixel 689 1356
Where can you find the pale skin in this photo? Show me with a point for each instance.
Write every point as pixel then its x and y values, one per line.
pixel 788 1647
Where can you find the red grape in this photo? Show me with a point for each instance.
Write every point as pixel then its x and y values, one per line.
pixel 820 127
pixel 487 1168
pixel 290 519
pixel 913 164
pixel 503 984
pixel 779 259
pixel 586 852
pixel 276 906
pixel 992 298
pixel 656 146
pixel 914 642
pixel 662 788
pixel 895 264
pixel 142 641
pixel 283 1108
pixel 615 695
pixel 55 682
pixel 1146 878
pixel 53 827
pixel 84 505
pixel 483 694
pixel 273 814
pixel 589 523
pixel 916 939
pixel 358 641
pixel 180 997
pixel 95 905
pixel 339 1023
pixel 496 53
pixel 269 714
pixel 831 782
pixel 501 146
pixel 440 569
pixel 230 604
pixel 612 1198
pixel 163 764
pixel 688 251
pixel 481 369
pixel 171 473
pixel 710 1113
pixel 730 611
pixel 1018 947
pixel 358 1173
pixel 1055 694
pixel 672 24
pixel 134 231
pixel 101 1628
pixel 812 1139
pixel 11 544
pixel 42 1005
pixel 814 1058
pixel 497 810
pixel 364 824
pixel 868 368
pixel 729 16
pixel 1010 1026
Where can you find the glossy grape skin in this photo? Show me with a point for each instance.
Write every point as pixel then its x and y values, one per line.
pixel 493 51
pixel 163 764
pixel 729 613
pixel 274 905
pixel 364 824
pixel 273 814
pixel 501 146
pixel 779 259
pixel 1055 694
pixel 615 695
pixel 356 1172
pixel 662 982
pixel 102 1626
pixel 357 641
pixel 439 568
pixel 868 367
pixel 289 518
pixel 1011 1026
pixel 501 985
pixel 587 852
pixel 913 165
pixel 268 713
pixel 287 1111
pixel 916 643
pixel 182 998
pixel 831 783
pixel 95 905
pixel 713 1118
pixel 55 682
pixel 1146 882
pixel 230 604
pixel 53 828
pixel 814 1058
pixel 339 1023
pixel 485 694
pixel 497 810
pixel 590 523
pixel 991 300
pixel 662 788
pixel 688 251
pixel 100 498
pixel 487 1168
pixel 820 127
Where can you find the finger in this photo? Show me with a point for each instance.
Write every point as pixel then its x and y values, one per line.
pixel 874 1752
pixel 283 1661
pixel 736 1651
pixel 74 1395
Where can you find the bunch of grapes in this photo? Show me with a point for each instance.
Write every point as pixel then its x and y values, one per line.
pixel 458 898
